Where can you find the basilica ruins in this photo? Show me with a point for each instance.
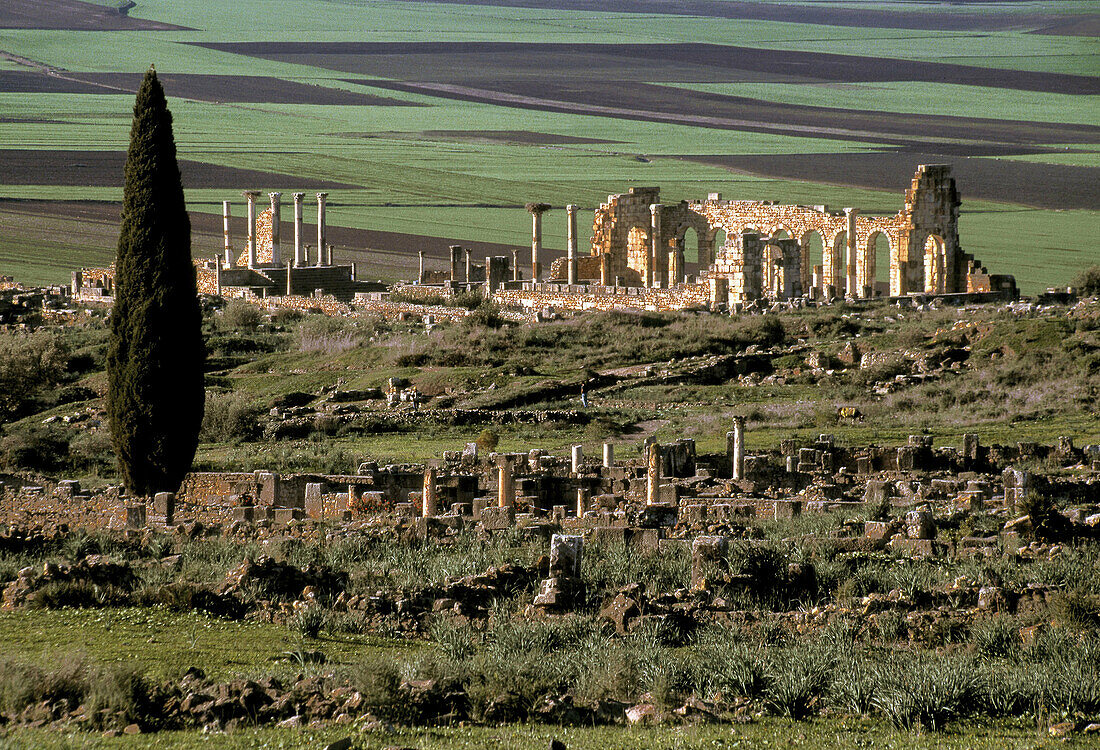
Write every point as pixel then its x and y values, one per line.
pixel 746 254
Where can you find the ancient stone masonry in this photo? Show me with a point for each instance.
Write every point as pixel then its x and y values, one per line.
pixel 766 253
pixel 748 253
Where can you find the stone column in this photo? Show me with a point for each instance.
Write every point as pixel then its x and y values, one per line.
pixel 651 278
pixel 735 448
pixel 571 247
pixel 608 455
pixel 852 264
pixel 321 244
pixel 675 267
pixel 537 210
pixel 506 485
pixel 229 260
pixel 582 501
pixel 515 264
pixel 251 196
pixel 605 269
pixel 299 258
pixel 456 250
pixel 276 219
pixel 577 458
pixel 420 273
pixel 468 265
pixel 653 473
pixel 429 496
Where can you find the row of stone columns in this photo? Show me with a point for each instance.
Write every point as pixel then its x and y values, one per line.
pixel 537 210
pixel 301 255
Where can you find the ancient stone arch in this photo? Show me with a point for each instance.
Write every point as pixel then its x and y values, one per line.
pixel 848 264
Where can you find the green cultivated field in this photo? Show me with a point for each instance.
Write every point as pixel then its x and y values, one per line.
pixel 423 170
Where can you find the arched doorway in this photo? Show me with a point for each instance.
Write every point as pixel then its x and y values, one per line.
pixel 718 241
pixel 773 272
pixel 637 250
pixel 878 259
pixel 813 259
pixel 838 254
pixel 935 278
pixel 689 245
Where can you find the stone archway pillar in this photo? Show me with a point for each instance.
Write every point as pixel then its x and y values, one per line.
pixel 571 247
pixel 321 242
pixel 225 226
pixel 276 219
pixel 652 279
pixel 250 196
pixel 851 285
pixel 299 255
pixel 536 210
pixel 805 272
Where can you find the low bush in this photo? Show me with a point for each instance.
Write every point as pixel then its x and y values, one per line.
pixel 240 315
pixel 229 417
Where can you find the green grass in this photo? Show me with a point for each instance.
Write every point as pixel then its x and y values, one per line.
pixel 919 98
pixel 165 644
pixel 767 732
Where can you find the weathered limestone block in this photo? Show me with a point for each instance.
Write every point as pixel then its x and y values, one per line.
pixel 565 555
pixel 919 524
pixel 707 553
pixel 498 518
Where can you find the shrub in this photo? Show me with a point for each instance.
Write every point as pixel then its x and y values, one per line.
pixel 240 315
pixel 997 638
pixel 309 621
pixel 378 680
pixel 927 693
pixel 796 678
pixel 29 364
pixel 38 448
pixel 23 684
pixel 728 668
pixel 285 316
pixel 487 441
pixel 1088 282
pixel 854 685
pixel 321 333
pixel 91 451
pixel 119 694
pixel 229 417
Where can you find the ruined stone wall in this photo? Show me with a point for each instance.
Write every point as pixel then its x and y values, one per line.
pixel 923 239
pixel 207 280
pixel 264 254
pixel 606 298
pixel 588 268
pixel 621 230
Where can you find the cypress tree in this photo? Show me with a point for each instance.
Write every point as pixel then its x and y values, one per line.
pixel 155 354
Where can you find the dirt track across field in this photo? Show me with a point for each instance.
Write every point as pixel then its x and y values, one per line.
pixel 481 63
pixel 209 88
pixel 641 101
pixel 74 15
pixel 810 13
pixel 1030 184
pixel 524 137
pixel 105 169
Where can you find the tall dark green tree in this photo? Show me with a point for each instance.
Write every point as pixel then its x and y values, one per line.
pixel 155 356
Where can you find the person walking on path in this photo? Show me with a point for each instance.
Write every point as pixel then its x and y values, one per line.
pixel 584 393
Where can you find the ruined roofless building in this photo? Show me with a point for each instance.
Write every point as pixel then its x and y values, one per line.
pixel 638 241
